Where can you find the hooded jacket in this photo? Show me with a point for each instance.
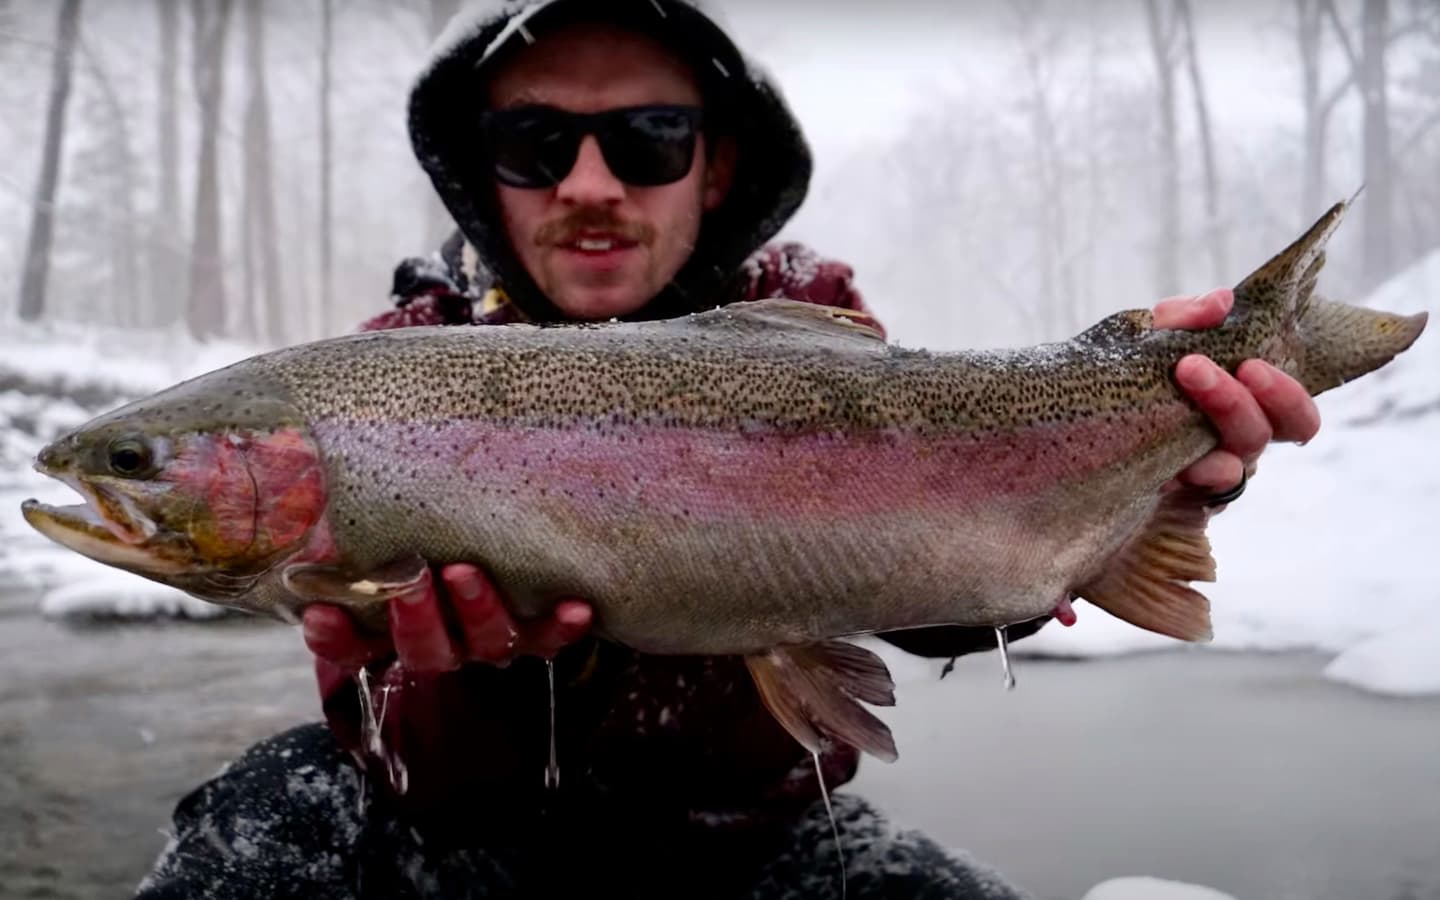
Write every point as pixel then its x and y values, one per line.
pixel 773 160
pixel 658 754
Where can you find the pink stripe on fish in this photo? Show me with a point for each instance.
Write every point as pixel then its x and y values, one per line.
pixel 720 475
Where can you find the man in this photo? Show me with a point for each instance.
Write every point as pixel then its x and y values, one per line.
pixel 616 160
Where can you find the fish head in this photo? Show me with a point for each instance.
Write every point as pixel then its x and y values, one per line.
pixel 203 495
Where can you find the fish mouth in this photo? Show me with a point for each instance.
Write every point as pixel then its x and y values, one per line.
pixel 104 531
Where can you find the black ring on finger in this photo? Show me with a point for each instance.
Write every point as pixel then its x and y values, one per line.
pixel 1231 495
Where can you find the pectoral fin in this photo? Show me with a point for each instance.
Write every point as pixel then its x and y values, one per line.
pixel 813 690
pixel 1145 582
pixel 346 587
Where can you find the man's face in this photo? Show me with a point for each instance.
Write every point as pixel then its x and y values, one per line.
pixel 596 246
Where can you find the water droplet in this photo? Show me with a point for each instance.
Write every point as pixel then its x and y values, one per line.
pixel 1003 640
pixel 552 769
pixel 834 823
pixel 371 736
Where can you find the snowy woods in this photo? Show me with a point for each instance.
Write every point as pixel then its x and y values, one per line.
pixel 242 165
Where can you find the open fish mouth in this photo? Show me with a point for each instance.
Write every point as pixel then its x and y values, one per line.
pixel 100 535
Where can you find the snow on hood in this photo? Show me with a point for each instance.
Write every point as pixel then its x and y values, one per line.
pixel 773 158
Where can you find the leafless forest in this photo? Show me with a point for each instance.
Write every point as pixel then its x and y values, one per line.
pixel 241 166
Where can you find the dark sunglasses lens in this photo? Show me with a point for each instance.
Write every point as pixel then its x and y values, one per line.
pixel 650 147
pixel 530 149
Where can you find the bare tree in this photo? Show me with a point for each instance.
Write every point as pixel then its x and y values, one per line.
pixel 1379 218
pixel 42 220
pixel 1056 300
pixel 327 238
pixel 266 313
pixel 167 246
pixel 1318 103
pixel 1367 68
pixel 1161 30
pixel 116 167
pixel 1214 228
pixel 205 310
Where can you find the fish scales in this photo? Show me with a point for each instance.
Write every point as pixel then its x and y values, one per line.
pixel 473 402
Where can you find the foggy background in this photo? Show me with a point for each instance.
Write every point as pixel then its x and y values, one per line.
pixel 995 172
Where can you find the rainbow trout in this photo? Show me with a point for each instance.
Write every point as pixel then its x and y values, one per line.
pixel 762 479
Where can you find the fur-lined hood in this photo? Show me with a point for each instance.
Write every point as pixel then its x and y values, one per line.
pixel 773 159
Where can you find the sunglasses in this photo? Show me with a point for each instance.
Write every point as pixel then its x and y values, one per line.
pixel 536 146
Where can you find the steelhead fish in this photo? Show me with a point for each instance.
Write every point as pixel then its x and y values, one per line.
pixel 762 479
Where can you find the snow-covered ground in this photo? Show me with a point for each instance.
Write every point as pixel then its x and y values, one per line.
pixel 1330 548
pixel 46 374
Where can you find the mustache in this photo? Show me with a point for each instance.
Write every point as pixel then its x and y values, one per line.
pixel 568 229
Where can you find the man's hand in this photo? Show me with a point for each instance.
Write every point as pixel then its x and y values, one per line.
pixel 1257 405
pixel 422 639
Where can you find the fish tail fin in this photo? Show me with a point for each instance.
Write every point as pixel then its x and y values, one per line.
pixel 1320 343
pixel 1336 343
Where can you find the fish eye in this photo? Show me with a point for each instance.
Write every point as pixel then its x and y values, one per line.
pixel 129 457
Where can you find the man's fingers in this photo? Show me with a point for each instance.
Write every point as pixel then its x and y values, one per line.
pixel 1291 410
pixel 1205 311
pixel 1243 426
pixel 1217 472
pixel 490 634
pixel 421 639
pixel 566 625
pixel 331 635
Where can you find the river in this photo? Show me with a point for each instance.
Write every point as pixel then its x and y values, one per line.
pixel 1246 772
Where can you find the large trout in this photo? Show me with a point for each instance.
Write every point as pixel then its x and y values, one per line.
pixel 762 479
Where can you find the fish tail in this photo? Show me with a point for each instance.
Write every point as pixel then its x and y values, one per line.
pixel 1336 342
pixel 1322 344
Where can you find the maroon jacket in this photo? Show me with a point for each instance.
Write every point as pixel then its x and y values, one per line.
pixel 668 745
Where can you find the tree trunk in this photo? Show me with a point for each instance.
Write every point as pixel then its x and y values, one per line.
pixel 1167 249
pixel 206 309
pixel 1214 228
pixel 167 244
pixel 42 219
pixel 262 255
pixel 124 272
pixel 1307 34
pixel 327 246
pixel 1379 220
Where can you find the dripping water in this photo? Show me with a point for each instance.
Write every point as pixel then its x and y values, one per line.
pixel 834 824
pixel 552 769
pixel 370 731
pixel 1004 642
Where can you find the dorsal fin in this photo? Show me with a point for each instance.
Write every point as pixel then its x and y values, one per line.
pixel 1124 327
pixel 1283 284
pixel 815 319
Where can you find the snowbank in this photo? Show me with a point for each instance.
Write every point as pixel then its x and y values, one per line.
pixel 1146 888
pixel 53 377
pixel 1403 661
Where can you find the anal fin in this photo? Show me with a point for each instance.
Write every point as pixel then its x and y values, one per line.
pixel 815 689
pixel 1145 582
